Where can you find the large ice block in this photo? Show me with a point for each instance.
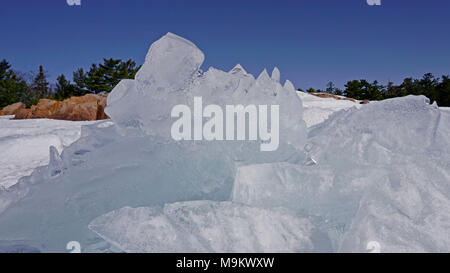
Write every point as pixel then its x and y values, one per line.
pixel 205 226
pixel 171 76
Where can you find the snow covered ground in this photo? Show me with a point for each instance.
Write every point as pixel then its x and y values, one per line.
pixel 24 144
pixel 317 110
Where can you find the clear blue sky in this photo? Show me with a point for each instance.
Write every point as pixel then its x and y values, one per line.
pixel 311 41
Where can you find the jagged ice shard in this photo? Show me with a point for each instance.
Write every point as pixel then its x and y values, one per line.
pixel 379 173
pixel 171 76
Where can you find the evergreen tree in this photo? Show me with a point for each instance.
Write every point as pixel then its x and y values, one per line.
pixel 427 86
pixel 64 89
pixel 40 87
pixel 409 86
pixel 353 89
pixel 338 92
pixel 12 88
pixel 391 90
pixel 330 88
pixel 104 77
pixel 79 79
pixel 443 92
pixel 375 91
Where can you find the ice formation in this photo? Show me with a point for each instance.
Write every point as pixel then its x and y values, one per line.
pixel 375 174
pixel 382 174
pixel 170 76
pixel 136 162
pixel 205 226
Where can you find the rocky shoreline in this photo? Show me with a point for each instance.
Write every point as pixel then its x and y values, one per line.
pixel 87 107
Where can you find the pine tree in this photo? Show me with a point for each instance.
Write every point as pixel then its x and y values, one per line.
pixel 104 77
pixel 353 89
pixel 12 88
pixel 40 86
pixel 330 88
pixel 338 92
pixel 428 85
pixel 391 91
pixel 64 89
pixel 443 91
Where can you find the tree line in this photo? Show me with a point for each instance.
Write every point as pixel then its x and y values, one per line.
pixel 435 88
pixel 29 89
pixel 102 77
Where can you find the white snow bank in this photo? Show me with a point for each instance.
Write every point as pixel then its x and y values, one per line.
pixel 316 110
pixel 25 144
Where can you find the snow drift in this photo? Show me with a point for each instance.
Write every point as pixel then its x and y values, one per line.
pixel 25 144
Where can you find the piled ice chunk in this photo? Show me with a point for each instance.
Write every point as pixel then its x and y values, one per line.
pixel 404 126
pixel 376 174
pixel 144 105
pixel 170 76
pixel 205 226
pixel 408 211
pixel 136 162
pixel 382 174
